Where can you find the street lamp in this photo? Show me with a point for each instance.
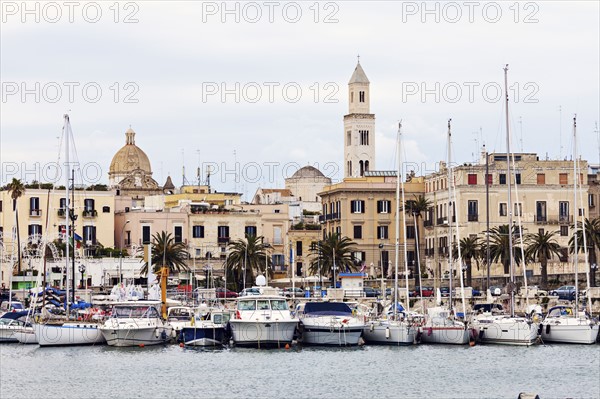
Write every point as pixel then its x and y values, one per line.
pixel 82 270
pixel 121 253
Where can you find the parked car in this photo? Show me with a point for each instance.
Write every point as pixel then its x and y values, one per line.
pixel 565 292
pixel 249 291
pixel 371 292
pixel 297 291
pixel 445 291
pixel 225 293
pixel 427 292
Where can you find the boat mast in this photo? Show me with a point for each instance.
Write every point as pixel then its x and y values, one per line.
pixel 400 181
pixel 449 210
pixel 576 212
pixel 509 205
pixel 66 129
pixel 397 223
pixel 487 217
pixel 585 245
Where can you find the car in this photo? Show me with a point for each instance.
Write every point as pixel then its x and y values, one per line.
pixel 427 292
pixel 495 290
pixel 371 292
pixel 445 291
pixel 249 291
pixel 533 291
pixel 290 292
pixel 225 293
pixel 476 292
pixel 565 292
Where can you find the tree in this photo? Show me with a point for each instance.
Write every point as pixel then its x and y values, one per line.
pixel 592 237
pixel 499 246
pixel 168 257
pixel 246 257
pixel 416 207
pixel 333 249
pixel 542 247
pixel 470 248
pixel 16 190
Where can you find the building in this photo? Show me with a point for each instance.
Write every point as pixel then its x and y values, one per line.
pixel 305 185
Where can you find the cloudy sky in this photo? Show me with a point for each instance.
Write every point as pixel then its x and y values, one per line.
pixel 264 84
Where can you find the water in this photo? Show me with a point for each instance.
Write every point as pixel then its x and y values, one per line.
pixel 423 371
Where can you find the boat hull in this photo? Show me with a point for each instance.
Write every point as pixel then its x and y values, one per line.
pixel 584 333
pixel 8 335
pixel 26 336
pixel 507 331
pixel 124 336
pixel 445 335
pixel 389 333
pixel 203 336
pixel 68 334
pixel 261 334
pixel 327 331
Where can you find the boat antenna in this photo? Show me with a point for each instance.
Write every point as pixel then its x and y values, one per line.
pixel 510 214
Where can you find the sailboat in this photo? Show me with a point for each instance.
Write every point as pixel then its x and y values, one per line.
pixel 394 327
pixel 67 332
pixel 441 325
pixel 567 324
pixel 502 328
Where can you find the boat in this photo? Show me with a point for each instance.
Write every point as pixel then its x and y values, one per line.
pixel 68 333
pixel 10 323
pixel 208 328
pixel 179 317
pixel 136 323
pixel 502 328
pixel 395 328
pixel 567 324
pixel 263 320
pixel 329 323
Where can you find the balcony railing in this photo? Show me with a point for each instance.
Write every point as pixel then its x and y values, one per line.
pixel 35 212
pixel 565 219
pixel 442 221
pixel 428 223
pixel 473 218
pixel 90 213
pixel 61 212
pixel 540 219
pixel 223 240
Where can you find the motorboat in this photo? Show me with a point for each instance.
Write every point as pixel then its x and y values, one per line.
pixel 10 323
pixel 179 317
pixel 263 320
pixel 208 328
pixel 442 327
pixel 136 323
pixel 329 323
pixel 506 329
pixel 563 324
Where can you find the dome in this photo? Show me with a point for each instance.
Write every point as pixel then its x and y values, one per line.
pixel 307 171
pixel 129 158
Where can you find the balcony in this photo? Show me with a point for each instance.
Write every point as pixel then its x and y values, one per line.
pixel 428 223
pixel 565 219
pixel 443 250
pixel 35 212
pixel 473 218
pixel 61 212
pixel 90 213
pixel 540 219
pixel 442 221
pixel 223 240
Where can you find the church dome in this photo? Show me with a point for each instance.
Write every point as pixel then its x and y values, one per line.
pixel 129 158
pixel 307 171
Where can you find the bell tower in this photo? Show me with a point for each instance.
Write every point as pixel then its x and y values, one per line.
pixel 359 127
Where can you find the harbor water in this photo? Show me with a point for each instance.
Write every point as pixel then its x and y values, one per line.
pixel 423 371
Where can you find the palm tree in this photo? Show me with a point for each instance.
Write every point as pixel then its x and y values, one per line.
pixel 592 237
pixel 417 207
pixel 499 246
pixel 333 250
pixel 542 247
pixel 16 189
pixel 168 257
pixel 246 257
pixel 470 248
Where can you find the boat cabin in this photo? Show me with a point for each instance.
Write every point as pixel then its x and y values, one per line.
pixel 135 311
pixel 251 304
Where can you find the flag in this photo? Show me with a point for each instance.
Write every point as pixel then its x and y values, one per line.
pixel 364 266
pixel 77 237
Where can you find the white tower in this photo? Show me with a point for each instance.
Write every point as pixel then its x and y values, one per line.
pixel 359 127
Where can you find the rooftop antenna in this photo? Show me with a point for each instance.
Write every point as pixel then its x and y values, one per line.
pixel 560 132
pixel 183 180
pixel 198 168
pixel 476 153
pixel 208 177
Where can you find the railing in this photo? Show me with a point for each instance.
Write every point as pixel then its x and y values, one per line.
pixel 540 219
pixel 565 219
pixel 90 213
pixel 223 240
pixel 442 221
pixel 473 218
pixel 61 212
pixel 35 212
pixel 428 223
pixel 443 250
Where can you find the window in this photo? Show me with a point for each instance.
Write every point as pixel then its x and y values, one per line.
pixel 518 209
pixel 541 178
pixel 564 254
pixel 277 240
pixel 351 96
pixel 489 179
pixel 364 137
pixel 358 232
pixel 350 168
pixel 34 229
pixel 278 260
pixel 581 212
pixel 88 204
pixel 146 235
pixel 564 231
pixel 198 231
pixel 590 202
pixel 502 178
pixel 517 178
pixel 178 232
pixel 410 232
pixel 89 235
pixel 298 269
pixel 382 232
pixel 385 259
pixel 359 256
pixel 384 206
pixel 472 211
pixel 250 231
pixel 349 137
pixel 106 209
pixel 0 206
pixel 223 233
pixel 361 96
pixel 540 211
pixel 34 206
pixel 563 178
pixel 563 211
pixel 299 248
pixel 503 211
pixel 472 179
pixel 357 206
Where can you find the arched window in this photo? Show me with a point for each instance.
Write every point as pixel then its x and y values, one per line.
pixel 362 168
pixel 366 166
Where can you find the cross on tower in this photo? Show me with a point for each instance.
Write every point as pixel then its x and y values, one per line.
pixel 358 56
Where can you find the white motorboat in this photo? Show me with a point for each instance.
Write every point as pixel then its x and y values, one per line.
pixel 209 328
pixel 179 317
pixel 10 323
pixel 136 323
pixel 263 320
pixel 68 333
pixel 443 328
pixel 329 323
pixel 26 335
pixel 562 324
pixel 506 329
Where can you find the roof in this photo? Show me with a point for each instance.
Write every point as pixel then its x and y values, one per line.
pixel 169 184
pixel 130 157
pixel 307 171
pixel 283 191
pixel 379 173
pixel 359 75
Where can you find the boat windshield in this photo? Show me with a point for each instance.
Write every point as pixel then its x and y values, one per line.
pixel 560 311
pixel 134 312
pixel 220 318
pixel 246 305
pixel 263 305
pixel 279 304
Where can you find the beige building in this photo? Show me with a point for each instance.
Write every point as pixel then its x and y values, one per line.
pixel 305 186
pixel 542 200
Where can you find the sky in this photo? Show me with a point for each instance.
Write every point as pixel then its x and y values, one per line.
pixel 256 90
